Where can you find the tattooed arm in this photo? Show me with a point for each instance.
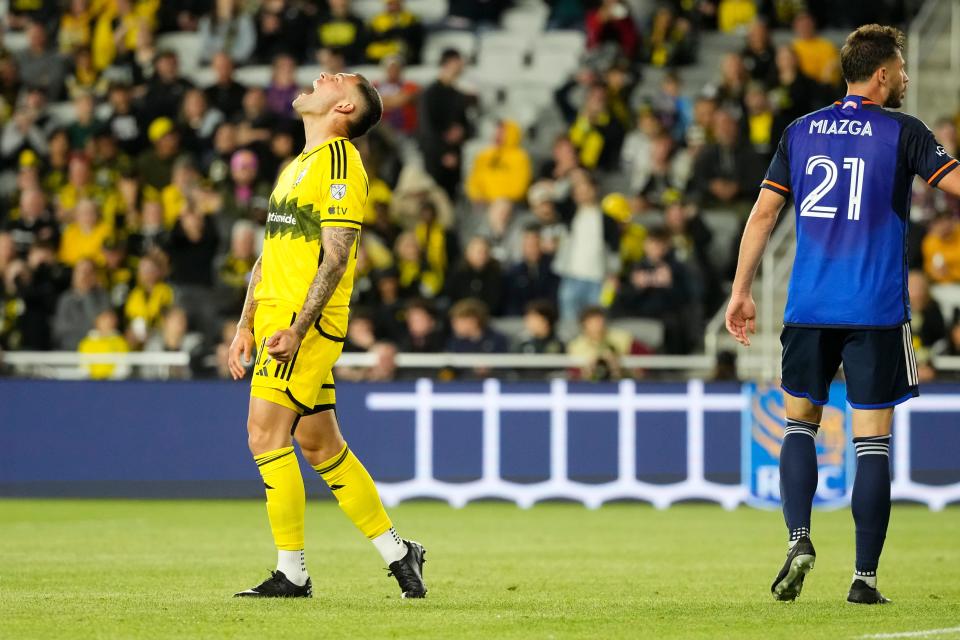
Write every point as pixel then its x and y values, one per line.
pixel 250 304
pixel 337 244
pixel 241 349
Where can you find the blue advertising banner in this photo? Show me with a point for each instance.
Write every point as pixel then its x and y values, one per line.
pixel 763 423
pixel 524 442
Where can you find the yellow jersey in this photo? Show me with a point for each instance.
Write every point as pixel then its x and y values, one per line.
pixel 326 186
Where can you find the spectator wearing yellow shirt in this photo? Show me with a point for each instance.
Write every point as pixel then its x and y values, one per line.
pixel 148 300
pixel 84 237
pixel 735 14
pixel 819 58
pixel 941 249
pixel 118 32
pixel 502 170
pixel 74 29
pixel 396 31
pixel 104 338
pixel 174 196
pixel 81 186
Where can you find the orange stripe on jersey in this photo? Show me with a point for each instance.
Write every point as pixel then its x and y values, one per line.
pixel 941 169
pixel 868 102
pixel 778 186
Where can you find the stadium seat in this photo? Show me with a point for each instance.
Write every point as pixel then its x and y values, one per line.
pixel 647 330
pixel 258 76
pixel 366 9
pixel 15 40
pixel 62 112
pixel 204 76
pixel 536 94
pixel 463 41
pixel 510 326
pixel 421 74
pixel 429 11
pixel 501 40
pixel 561 40
pixel 527 20
pixel 186 45
pixel 948 297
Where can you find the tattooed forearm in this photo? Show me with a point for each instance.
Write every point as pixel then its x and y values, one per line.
pixel 250 304
pixel 337 245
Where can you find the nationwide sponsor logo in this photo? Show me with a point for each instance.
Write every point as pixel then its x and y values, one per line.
pixel 337 191
pixel 285 218
pixel 841 127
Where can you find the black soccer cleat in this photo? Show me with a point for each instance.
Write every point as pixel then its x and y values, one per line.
pixel 277 586
pixel 409 571
pixel 800 561
pixel 862 593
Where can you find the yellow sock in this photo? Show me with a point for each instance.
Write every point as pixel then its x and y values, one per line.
pixel 286 500
pixel 355 492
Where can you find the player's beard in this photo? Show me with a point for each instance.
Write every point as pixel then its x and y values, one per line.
pixel 895 99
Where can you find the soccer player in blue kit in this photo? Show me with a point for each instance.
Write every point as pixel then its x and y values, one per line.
pixel 849 168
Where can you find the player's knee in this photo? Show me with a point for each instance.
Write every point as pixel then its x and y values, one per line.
pixel 320 449
pixel 261 438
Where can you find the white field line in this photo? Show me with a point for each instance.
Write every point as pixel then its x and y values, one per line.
pixel 915 634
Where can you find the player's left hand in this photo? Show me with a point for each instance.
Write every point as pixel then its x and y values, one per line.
pixel 283 344
pixel 741 318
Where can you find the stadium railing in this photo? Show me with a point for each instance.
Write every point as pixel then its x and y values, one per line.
pixel 73 365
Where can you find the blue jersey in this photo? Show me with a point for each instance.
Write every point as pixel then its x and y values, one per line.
pixel 850 167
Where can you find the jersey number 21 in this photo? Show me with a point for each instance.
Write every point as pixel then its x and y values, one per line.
pixel 810 206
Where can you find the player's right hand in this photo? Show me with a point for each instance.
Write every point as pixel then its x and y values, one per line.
pixel 741 318
pixel 241 353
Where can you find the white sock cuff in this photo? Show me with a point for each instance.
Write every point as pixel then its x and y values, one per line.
pixel 390 545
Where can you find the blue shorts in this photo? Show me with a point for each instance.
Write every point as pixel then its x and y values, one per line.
pixel 879 365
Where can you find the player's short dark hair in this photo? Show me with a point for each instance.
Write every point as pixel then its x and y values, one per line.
pixel 867 49
pixel 370 110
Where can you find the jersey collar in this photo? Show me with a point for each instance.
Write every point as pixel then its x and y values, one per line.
pixel 854 102
pixel 306 154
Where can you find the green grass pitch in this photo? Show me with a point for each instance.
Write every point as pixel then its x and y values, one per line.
pixel 166 569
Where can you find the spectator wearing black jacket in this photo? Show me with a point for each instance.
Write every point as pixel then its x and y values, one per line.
pixel 471 331
pixel 445 124
pixel 478 276
pixel 539 329
pixel 659 287
pixel 34 223
pixel 530 279
pixel 423 335
pixel 725 172
pixel 166 88
pixel 282 27
pixel 759 55
pixel 341 30
pixel 225 94
pixel 192 247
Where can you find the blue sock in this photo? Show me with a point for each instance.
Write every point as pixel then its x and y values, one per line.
pixel 871 502
pixel 798 475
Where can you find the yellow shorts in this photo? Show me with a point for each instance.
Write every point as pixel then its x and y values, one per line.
pixel 305 384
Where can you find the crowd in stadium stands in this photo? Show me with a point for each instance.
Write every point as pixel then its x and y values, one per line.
pixel 134 223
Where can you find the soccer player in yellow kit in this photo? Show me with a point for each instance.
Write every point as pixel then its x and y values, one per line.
pixel 295 321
